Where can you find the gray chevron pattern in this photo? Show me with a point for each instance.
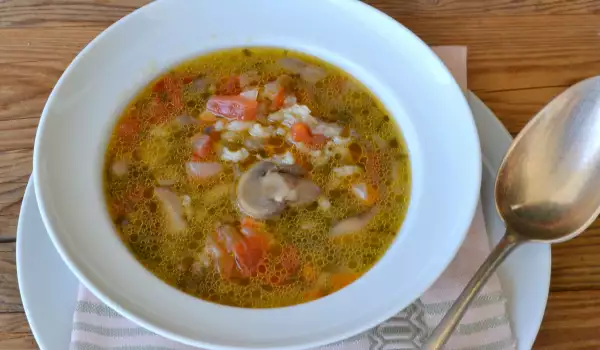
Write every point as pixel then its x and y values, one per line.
pixel 406 330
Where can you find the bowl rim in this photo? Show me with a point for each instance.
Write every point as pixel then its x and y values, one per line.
pixel 65 255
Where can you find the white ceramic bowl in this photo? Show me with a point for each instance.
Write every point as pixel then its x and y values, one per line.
pixel 400 69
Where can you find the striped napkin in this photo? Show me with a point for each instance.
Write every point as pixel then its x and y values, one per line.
pixel 485 326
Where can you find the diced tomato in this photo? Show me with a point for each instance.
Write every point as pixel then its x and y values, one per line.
pixel 159 86
pixel 233 107
pixel 250 253
pixel 172 89
pixel 251 226
pixel 157 111
pixel 187 80
pixel 202 145
pixel 128 129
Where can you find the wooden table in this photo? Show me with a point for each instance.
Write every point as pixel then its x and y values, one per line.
pixel 521 54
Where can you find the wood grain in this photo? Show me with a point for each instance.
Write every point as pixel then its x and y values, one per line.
pixel 521 54
pixel 454 8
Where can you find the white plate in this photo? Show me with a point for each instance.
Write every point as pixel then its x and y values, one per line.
pixel 49 289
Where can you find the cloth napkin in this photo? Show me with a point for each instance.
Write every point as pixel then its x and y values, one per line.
pixel 485 326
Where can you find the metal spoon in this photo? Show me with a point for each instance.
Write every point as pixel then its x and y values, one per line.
pixel 547 189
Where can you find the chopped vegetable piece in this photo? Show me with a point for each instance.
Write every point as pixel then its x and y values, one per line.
pixel 201 145
pixel 347 170
pixel 233 107
pixel 234 156
pixel 301 133
pixel 201 171
pixel 119 167
pixel 251 223
pixel 249 253
pixel 228 236
pixel 250 94
pixel 172 208
pixel 352 224
pixel 128 130
pixel 324 203
pixel 366 192
pixel 225 263
pixel 278 99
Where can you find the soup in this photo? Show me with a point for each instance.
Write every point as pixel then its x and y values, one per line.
pixel 257 178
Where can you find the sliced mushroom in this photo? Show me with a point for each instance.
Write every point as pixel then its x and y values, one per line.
pixel 352 224
pixel 250 196
pixel 267 188
pixel 172 208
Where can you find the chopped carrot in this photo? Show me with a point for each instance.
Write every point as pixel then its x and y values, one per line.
pixel 233 107
pixel 279 98
pixel 301 133
pixel 341 280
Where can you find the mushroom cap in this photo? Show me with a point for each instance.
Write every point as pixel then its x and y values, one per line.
pixel 267 188
pixel 250 196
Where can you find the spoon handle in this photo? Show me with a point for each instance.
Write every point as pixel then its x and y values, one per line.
pixel 442 332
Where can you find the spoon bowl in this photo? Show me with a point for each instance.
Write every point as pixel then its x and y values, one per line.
pixel 547 185
pixel 547 188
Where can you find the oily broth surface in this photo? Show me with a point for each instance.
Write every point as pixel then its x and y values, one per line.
pixel 173 257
